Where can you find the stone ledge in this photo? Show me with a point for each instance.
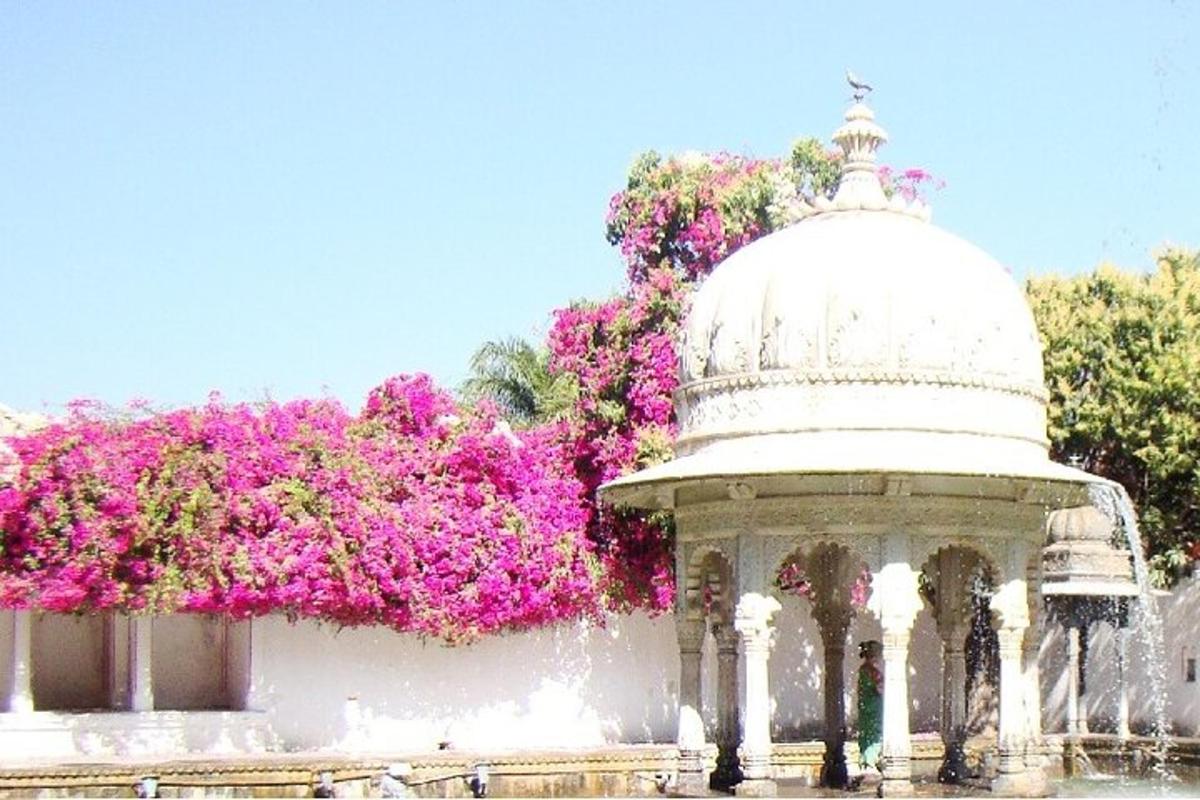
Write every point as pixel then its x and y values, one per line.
pixel 613 770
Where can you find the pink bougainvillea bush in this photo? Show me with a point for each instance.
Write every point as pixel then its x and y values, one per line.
pixel 675 221
pixel 421 513
pixel 416 514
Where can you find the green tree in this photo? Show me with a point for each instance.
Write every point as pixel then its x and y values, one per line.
pixel 515 375
pixel 1122 358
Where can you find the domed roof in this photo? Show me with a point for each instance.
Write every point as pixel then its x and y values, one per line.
pixel 857 297
pixel 863 338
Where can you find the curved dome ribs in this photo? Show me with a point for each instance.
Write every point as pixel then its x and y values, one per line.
pixel 862 338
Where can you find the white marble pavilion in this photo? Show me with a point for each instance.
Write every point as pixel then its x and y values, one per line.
pixel 861 390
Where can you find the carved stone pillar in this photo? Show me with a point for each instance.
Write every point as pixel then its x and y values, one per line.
pixel 834 773
pixel 1084 704
pixel 690 633
pixel 693 776
pixel 1123 682
pixel 753 623
pixel 896 757
pixel 141 674
pixel 1073 680
pixel 728 768
pixel 896 599
pixel 952 609
pixel 20 693
pixel 1013 735
pixel 831 573
pixel 1035 753
pixel 954 701
pixel 1011 605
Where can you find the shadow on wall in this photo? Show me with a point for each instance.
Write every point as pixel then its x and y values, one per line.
pixel 1181 618
pixel 566 686
pixel 1181 625
pixel 798 671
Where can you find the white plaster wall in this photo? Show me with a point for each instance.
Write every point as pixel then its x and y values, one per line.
pixel 924 673
pixel 6 656
pixel 1180 614
pixel 572 685
pixel 238 666
pixel 68 661
pixel 1181 618
pixel 798 672
pixel 188 662
pixel 1052 676
pixel 566 686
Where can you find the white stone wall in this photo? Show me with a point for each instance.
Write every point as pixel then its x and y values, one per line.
pixel 572 685
pixel 368 688
pixel 1181 617
pixel 1180 614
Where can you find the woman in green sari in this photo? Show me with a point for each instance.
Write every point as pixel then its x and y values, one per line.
pixel 870 704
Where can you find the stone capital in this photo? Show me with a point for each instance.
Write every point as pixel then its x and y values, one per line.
pixel 1011 641
pixel 752 618
pixel 690 634
pixel 726 637
pixel 1011 605
pixel 954 635
pixel 833 620
pixel 895 644
pixel 895 596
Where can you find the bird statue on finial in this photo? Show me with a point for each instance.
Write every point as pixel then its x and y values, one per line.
pixel 860 87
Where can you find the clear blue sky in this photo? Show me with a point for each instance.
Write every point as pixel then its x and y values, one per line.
pixel 304 198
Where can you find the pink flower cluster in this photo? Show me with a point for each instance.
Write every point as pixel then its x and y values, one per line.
pixel 416 514
pixel 676 220
pixel 674 223
pixel 419 513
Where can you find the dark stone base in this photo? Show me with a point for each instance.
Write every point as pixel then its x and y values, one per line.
pixel 729 769
pixel 834 774
pixel 954 765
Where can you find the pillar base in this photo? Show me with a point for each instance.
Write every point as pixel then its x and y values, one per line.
pixel 954 765
pixel 895 787
pixel 756 787
pixel 691 779
pixel 22 704
pixel 1030 783
pixel 729 768
pixel 691 784
pixel 834 774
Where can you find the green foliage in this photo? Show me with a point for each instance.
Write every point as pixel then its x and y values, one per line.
pixel 815 169
pixel 1122 358
pixel 515 376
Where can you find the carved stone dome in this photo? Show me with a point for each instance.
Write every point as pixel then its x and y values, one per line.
pixel 861 339
pixel 1082 524
pixel 856 321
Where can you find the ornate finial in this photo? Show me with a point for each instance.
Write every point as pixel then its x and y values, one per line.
pixel 859 137
pixel 859 188
pixel 860 87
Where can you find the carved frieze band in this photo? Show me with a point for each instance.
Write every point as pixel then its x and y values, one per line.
pixel 752 404
pixel 833 517
pixel 788 377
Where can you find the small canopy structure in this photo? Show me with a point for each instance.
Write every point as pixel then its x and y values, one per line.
pixel 859 390
pixel 1087 579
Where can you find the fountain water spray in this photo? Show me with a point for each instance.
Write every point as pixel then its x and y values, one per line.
pixel 1112 500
